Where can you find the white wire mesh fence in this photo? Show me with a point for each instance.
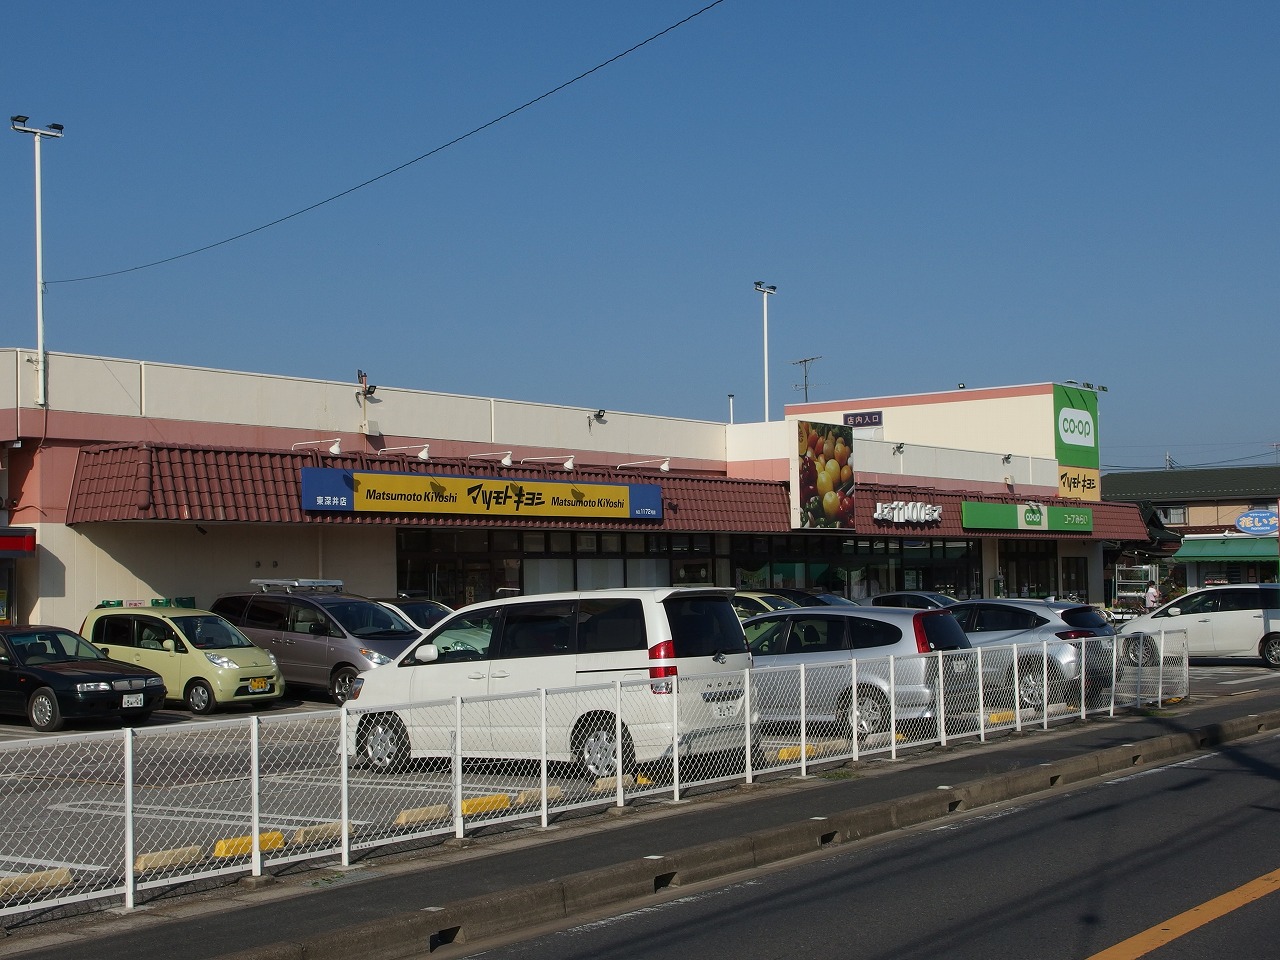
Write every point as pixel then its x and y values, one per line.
pixel 106 816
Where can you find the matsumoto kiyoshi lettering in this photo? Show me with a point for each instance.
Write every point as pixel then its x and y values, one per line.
pixel 357 491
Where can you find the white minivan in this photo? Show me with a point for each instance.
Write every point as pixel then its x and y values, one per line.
pixel 601 656
pixel 1239 620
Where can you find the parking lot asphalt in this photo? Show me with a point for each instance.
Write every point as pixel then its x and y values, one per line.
pixel 317 903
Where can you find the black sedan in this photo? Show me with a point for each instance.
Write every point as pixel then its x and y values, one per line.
pixel 53 675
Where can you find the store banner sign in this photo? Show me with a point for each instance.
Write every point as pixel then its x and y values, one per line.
pixel 975 515
pixel 360 491
pixel 1075 428
pixel 1258 523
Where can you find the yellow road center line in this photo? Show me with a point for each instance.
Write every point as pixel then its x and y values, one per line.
pixel 1143 943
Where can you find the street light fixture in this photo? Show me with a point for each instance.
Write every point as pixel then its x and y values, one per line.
pixel 765 293
pixel 19 123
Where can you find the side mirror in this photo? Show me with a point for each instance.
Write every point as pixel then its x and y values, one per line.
pixel 167 643
pixel 1173 612
pixel 427 653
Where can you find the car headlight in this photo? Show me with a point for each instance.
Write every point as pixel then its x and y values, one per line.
pixel 154 682
pixel 221 660
pixel 274 662
pixel 97 687
pixel 374 657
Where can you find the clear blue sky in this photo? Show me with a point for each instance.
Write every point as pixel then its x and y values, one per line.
pixel 994 193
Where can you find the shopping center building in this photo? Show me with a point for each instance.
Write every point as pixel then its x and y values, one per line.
pixel 137 480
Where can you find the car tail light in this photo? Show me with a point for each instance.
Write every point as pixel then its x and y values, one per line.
pixel 1075 634
pixel 922 639
pixel 662 666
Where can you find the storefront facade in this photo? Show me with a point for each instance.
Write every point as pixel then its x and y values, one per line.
pixel 479 497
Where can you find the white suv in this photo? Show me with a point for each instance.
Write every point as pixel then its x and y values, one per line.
pixel 608 660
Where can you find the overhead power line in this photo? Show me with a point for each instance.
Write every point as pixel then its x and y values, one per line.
pixel 430 153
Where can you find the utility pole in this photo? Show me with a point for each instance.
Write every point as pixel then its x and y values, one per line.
pixel 805 386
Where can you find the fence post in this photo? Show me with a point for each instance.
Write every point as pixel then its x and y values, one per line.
pixel 1017 689
pixel 1044 677
pixel 458 827
pixel 344 784
pixel 942 700
pixel 618 752
pixel 675 738
pixel 1160 675
pixel 542 765
pixel 255 800
pixel 893 708
pixel 129 878
pixel 804 726
pixel 1084 659
pixel 746 721
pixel 1186 664
pixel 1115 673
pixel 982 701
pixel 855 714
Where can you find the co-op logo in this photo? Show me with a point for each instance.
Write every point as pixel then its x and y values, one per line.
pixel 1032 515
pixel 1076 427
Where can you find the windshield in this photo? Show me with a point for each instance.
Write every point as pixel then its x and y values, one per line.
pixel 52 646
pixel 207 632
pixel 367 618
pixel 425 613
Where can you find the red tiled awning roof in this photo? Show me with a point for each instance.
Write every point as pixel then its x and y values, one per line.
pixel 171 482
pixel 1111 521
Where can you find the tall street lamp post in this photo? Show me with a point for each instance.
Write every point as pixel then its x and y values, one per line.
pixel 765 293
pixel 38 134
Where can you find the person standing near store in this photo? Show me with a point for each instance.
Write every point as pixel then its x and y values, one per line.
pixel 1152 596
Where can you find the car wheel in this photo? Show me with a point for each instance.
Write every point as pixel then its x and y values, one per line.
pixel 869 715
pixel 1031 693
pixel 199 697
pixel 43 711
pixel 340 684
pixel 1141 651
pixel 383 743
pixel 1271 650
pixel 594 748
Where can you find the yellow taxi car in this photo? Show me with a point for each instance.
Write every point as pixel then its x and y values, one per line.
pixel 204 660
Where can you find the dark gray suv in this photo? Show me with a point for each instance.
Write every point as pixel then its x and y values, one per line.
pixel 320 635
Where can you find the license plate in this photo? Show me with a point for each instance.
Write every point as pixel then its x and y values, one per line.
pixel 258 685
pixel 723 711
pixel 132 700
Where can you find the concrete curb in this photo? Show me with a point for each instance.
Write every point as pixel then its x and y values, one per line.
pixel 506 911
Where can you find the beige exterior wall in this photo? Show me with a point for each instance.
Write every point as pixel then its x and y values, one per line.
pixel 1016 420
pixel 78 567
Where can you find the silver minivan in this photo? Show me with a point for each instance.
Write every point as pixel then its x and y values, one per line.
pixel 320 635
pixel 1239 620
pixel 568 670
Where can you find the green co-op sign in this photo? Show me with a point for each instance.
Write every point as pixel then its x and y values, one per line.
pixel 1025 516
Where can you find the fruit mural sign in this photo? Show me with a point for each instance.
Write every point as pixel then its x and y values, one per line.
pixel 824 474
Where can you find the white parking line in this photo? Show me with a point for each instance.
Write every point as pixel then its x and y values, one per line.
pixel 47 864
pixel 1253 679
pixel 191 815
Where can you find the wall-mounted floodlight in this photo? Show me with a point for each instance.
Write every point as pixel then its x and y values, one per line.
pixel 899 447
pixel 1007 458
pixel 504 454
pixel 597 417
pixel 567 461
pixel 423 449
pixel 664 464
pixel 335 449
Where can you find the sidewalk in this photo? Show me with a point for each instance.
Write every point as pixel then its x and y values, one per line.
pixel 310 902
